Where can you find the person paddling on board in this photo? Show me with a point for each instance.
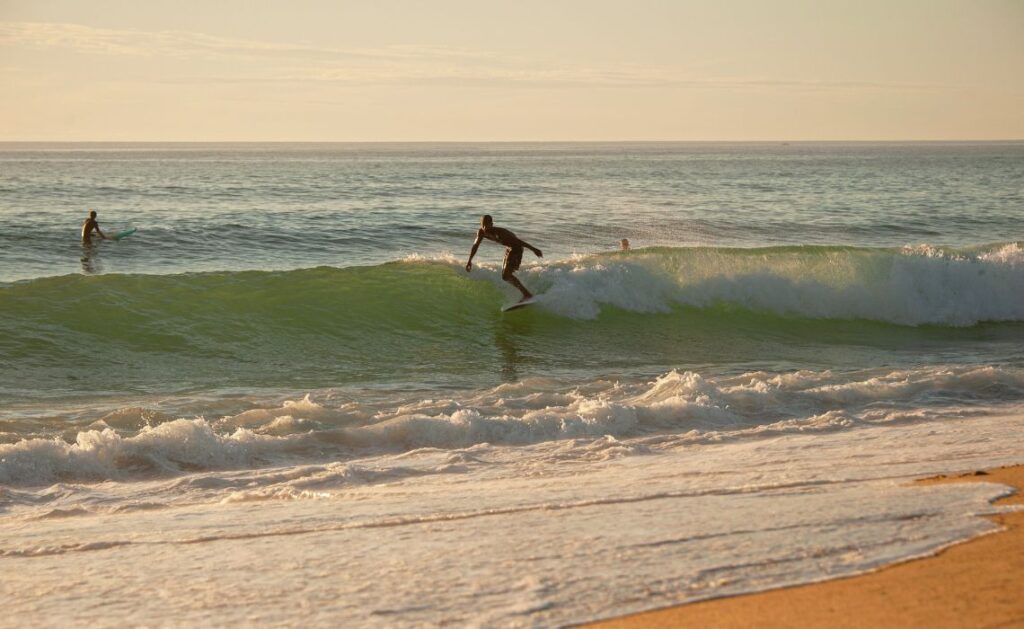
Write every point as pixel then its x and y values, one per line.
pixel 88 226
pixel 513 251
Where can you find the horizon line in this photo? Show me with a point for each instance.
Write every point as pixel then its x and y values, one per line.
pixel 778 141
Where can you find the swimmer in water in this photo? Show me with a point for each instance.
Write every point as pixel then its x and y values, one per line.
pixel 90 225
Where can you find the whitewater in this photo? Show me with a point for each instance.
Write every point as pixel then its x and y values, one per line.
pixel 284 400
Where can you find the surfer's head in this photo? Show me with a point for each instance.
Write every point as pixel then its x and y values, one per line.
pixel 486 221
pixel 92 213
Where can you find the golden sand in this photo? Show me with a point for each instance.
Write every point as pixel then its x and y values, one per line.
pixel 976 584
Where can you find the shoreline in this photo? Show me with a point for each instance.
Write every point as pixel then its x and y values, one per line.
pixel 966 584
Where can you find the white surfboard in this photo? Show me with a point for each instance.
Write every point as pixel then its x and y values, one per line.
pixel 520 304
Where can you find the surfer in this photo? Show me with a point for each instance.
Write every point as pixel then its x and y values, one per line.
pixel 88 226
pixel 513 251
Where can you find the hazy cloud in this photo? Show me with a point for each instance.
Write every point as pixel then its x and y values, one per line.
pixel 259 61
pixel 184 44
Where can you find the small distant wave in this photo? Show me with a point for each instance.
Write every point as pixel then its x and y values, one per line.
pixel 682 404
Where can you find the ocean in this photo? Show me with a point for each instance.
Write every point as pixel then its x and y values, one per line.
pixel 284 399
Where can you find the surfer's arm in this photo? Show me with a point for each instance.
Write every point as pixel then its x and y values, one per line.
pixel 472 252
pixel 94 226
pixel 537 252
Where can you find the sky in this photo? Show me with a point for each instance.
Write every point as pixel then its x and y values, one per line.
pixel 528 70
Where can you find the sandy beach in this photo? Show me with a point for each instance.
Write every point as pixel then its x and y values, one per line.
pixel 973 584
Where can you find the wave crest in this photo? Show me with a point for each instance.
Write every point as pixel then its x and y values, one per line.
pixel 909 287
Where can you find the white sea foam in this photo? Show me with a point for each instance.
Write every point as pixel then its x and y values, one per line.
pixel 171 447
pixel 699 408
pixel 1011 254
pixel 919 285
pixel 590 527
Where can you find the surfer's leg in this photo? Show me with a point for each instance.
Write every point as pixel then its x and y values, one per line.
pixel 513 258
pixel 513 280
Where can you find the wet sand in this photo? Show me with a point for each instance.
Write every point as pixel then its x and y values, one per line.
pixel 973 584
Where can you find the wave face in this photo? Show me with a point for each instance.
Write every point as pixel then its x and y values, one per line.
pixel 423 320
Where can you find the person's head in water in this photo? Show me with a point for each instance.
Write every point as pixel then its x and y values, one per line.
pixel 624 244
pixel 486 222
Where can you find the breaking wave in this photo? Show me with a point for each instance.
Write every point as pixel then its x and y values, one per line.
pixel 683 405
